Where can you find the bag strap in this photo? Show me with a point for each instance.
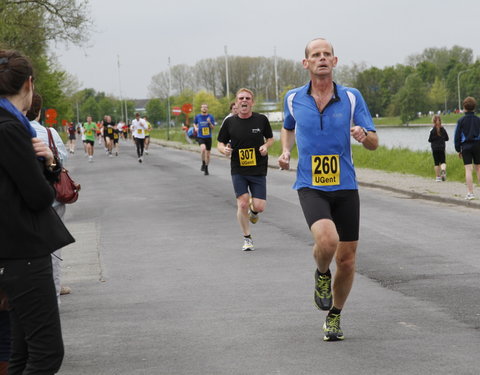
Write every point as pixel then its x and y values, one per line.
pixel 51 143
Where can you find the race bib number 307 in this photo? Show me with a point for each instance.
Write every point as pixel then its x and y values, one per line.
pixel 247 157
pixel 325 170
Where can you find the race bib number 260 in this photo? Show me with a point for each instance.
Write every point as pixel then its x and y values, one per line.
pixel 325 170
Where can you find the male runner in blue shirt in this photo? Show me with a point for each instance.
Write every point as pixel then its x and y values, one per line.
pixel 323 116
pixel 204 123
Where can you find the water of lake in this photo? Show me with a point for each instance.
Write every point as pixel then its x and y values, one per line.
pixel 414 138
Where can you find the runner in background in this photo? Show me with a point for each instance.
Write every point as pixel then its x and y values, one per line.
pixel 71 131
pixel 138 128
pixel 204 123
pixel 90 128
pixel 147 134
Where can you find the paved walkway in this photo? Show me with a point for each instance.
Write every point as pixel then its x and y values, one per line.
pixel 414 186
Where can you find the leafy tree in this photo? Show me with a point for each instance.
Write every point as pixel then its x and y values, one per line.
pixel 90 108
pixel 214 105
pixel 412 98
pixel 443 57
pixel 369 83
pixel 428 71
pixel 107 106
pixel 45 20
pixel 156 110
pixel 438 94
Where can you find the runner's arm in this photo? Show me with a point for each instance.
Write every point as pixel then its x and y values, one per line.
pixel 224 149
pixel 287 138
pixel 264 148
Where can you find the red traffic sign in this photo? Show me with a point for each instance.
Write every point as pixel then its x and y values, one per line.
pixel 51 116
pixel 187 108
pixel 176 111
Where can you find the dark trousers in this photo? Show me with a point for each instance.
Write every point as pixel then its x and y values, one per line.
pixel 4 336
pixel 140 142
pixel 37 346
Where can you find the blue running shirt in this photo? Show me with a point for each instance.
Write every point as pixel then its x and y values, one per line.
pixel 323 138
pixel 204 130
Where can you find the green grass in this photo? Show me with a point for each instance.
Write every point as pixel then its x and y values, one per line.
pixel 402 160
pixel 395 121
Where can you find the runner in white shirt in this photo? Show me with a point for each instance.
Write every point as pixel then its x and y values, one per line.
pixel 138 128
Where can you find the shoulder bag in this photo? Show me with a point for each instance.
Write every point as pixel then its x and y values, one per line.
pixel 66 189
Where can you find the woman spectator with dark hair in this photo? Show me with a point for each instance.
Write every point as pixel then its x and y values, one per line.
pixel 30 228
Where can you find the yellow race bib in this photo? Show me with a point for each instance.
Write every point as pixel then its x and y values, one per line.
pixel 110 130
pixel 89 133
pixel 325 170
pixel 206 131
pixel 139 131
pixel 247 157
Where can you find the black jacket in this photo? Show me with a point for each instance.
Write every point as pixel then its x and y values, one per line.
pixel 467 130
pixel 438 141
pixel 29 226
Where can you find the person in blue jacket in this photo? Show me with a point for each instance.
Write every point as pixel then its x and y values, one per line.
pixel 467 143
pixel 322 117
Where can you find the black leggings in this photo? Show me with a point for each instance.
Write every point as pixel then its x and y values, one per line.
pixel 140 142
pixel 35 322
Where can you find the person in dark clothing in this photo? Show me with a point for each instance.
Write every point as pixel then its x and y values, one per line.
pixel 467 143
pixel 30 228
pixel 437 138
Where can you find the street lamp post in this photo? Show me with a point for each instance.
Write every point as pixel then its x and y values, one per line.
pixel 168 100
pixel 226 73
pixel 458 85
pixel 120 89
pixel 275 72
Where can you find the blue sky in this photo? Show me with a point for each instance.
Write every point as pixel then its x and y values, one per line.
pixel 145 33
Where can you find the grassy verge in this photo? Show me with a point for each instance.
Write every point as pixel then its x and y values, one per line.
pixel 451 118
pixel 402 160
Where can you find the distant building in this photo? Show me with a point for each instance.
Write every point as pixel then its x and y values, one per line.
pixel 140 105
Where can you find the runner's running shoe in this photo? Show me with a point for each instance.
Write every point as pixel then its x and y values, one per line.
pixel 247 244
pixel 470 196
pixel 323 291
pixel 443 174
pixel 251 216
pixel 331 328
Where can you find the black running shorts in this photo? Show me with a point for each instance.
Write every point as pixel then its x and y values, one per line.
pixel 471 152
pixel 205 141
pixel 438 157
pixel 341 206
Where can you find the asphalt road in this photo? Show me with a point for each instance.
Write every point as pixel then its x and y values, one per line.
pixel 161 286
